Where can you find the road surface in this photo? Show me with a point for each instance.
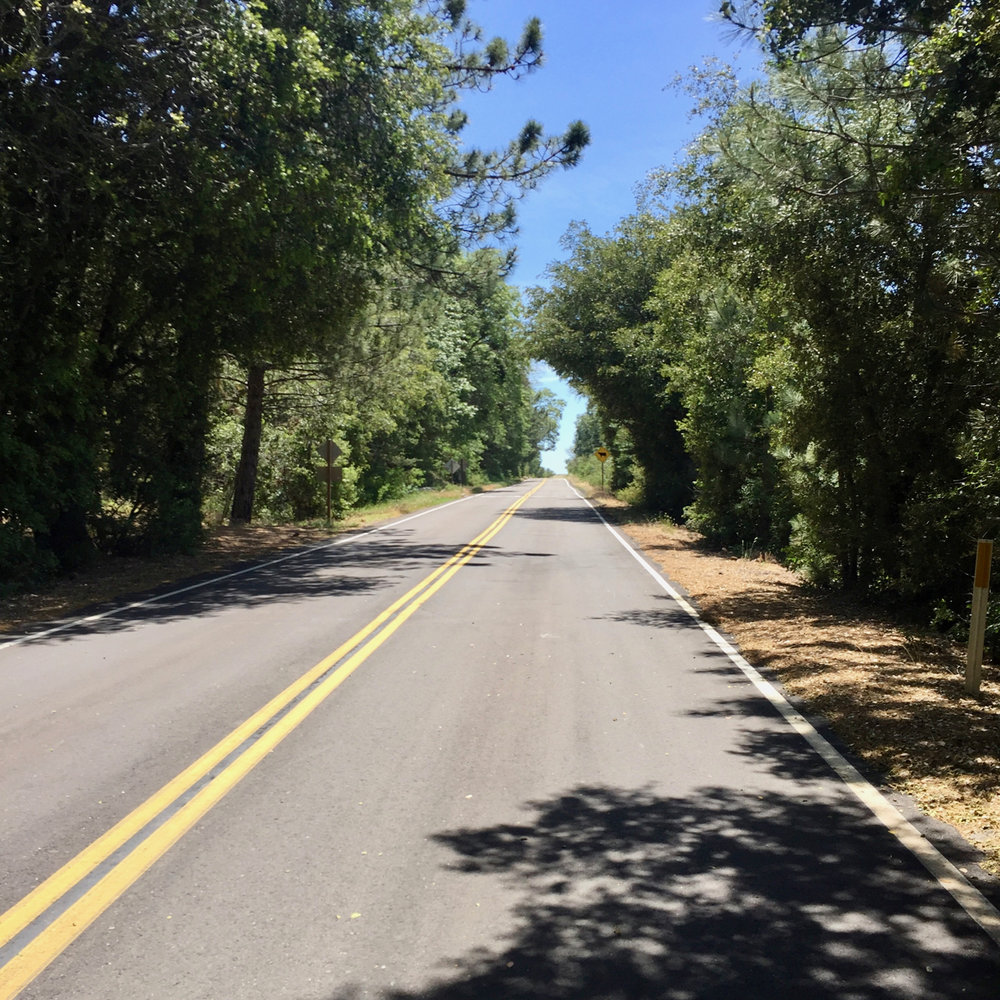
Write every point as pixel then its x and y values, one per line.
pixel 480 752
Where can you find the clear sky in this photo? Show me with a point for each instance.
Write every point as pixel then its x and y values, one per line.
pixel 611 65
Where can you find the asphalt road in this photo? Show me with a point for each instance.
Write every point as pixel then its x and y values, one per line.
pixel 478 753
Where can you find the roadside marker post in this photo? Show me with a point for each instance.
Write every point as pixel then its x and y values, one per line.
pixel 977 626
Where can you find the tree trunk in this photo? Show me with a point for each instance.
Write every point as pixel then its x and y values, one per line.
pixel 246 471
pixel 68 539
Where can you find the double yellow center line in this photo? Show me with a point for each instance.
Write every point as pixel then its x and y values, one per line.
pixel 53 915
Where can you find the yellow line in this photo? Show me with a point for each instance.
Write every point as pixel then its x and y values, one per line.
pixel 39 952
pixel 35 903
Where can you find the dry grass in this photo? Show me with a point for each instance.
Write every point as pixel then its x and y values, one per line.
pixel 895 698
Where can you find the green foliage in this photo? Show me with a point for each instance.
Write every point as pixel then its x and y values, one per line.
pixel 813 310
pixel 431 373
pixel 587 436
pixel 954 618
pixel 593 325
pixel 587 468
pixel 590 435
pixel 722 346
pixel 855 186
pixel 93 165
pixel 185 187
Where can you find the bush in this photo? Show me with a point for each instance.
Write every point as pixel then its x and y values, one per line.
pixel 588 468
pixel 955 624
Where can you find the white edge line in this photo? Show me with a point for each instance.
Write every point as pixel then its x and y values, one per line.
pixel 228 576
pixel 975 904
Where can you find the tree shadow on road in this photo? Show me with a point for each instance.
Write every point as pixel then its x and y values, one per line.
pixel 568 513
pixel 627 895
pixel 312 574
pixel 667 614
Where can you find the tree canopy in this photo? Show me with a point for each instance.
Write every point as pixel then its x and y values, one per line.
pixel 187 187
pixel 594 326
pixel 818 301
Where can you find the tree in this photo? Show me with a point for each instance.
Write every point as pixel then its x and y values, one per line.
pixel 543 430
pixel 185 182
pixel 479 407
pixel 430 373
pixel 337 172
pixel 889 315
pixel 95 195
pixel 719 341
pixel 783 26
pixel 588 436
pixel 594 326
pixel 420 195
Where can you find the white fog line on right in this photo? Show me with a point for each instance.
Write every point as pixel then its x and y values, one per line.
pixel 975 904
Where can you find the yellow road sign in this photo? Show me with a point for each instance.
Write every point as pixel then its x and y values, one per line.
pixel 602 454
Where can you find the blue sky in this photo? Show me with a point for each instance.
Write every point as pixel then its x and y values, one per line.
pixel 611 65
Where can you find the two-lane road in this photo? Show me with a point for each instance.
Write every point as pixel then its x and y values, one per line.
pixel 478 753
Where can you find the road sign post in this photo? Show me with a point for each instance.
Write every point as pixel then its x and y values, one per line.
pixel 330 453
pixel 602 454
